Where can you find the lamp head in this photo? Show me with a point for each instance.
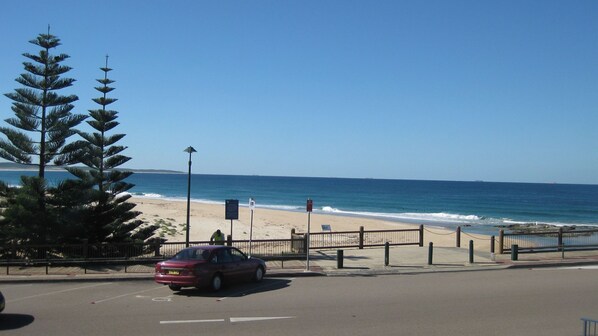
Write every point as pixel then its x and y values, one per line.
pixel 190 150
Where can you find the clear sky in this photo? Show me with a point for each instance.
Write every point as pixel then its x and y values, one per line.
pixel 434 90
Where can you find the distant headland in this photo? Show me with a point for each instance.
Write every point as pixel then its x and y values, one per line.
pixel 22 167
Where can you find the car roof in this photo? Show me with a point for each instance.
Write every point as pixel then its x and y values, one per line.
pixel 208 247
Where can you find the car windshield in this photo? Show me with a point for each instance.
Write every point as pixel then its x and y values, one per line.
pixel 192 254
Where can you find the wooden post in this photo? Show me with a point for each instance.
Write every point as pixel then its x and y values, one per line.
pixel 421 235
pixel 492 242
pixel 361 235
pixel 501 234
pixel 458 236
pixel 386 253
pixel 560 243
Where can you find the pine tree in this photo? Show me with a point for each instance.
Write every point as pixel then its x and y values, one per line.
pixel 41 110
pixel 110 217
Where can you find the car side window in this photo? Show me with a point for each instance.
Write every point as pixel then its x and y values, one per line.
pixel 237 255
pixel 200 254
pixel 222 256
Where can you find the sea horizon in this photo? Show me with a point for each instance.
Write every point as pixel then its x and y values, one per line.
pixel 477 206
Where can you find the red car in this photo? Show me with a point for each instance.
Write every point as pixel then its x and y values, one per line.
pixel 208 266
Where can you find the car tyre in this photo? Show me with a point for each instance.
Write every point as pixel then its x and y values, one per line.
pixel 216 283
pixel 174 287
pixel 259 274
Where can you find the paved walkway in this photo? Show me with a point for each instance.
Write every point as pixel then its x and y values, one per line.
pixel 355 262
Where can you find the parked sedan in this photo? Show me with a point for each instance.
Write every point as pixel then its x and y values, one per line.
pixel 208 266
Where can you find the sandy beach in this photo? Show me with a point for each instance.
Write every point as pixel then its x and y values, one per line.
pixel 272 224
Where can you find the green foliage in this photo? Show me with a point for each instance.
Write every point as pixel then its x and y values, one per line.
pixel 39 109
pixel 26 219
pixel 91 207
pixel 109 217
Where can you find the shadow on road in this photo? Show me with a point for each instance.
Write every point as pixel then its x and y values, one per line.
pixel 15 321
pixel 237 290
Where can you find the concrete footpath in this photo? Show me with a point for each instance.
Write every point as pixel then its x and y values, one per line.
pixel 355 262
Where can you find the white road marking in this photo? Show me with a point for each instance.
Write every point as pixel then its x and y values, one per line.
pixel 232 319
pixel 58 292
pixel 162 299
pixel 250 319
pixel 127 294
pixel 191 321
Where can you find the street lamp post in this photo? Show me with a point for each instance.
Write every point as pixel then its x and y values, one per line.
pixel 188 150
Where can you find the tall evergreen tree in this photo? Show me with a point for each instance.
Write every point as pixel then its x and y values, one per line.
pixel 42 124
pixel 110 217
pixel 41 110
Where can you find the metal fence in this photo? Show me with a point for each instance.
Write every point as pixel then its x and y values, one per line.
pixel 548 241
pixel 589 327
pixel 362 238
pixel 84 255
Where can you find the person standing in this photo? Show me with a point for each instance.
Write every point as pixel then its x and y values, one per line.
pixel 217 238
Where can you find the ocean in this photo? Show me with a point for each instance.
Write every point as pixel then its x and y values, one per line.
pixel 478 207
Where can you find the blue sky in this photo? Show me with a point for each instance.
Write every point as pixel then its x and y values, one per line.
pixel 434 90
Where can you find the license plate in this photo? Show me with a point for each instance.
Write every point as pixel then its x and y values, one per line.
pixel 171 272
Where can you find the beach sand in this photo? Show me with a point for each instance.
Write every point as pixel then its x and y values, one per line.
pixel 273 224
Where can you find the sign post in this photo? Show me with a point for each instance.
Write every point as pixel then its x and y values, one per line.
pixel 232 213
pixel 309 208
pixel 251 208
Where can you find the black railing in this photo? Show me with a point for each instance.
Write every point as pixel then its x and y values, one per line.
pixel 86 255
pixel 549 241
pixel 362 238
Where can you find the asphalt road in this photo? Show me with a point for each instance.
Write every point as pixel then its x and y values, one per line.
pixel 506 302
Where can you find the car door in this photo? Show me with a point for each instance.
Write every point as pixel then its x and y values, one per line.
pixel 244 268
pixel 224 263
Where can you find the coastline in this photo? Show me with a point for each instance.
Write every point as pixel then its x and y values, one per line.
pixel 205 218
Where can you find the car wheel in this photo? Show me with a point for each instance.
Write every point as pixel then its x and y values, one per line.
pixel 216 282
pixel 174 287
pixel 259 274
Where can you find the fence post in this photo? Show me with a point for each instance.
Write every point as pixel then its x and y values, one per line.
pixel 361 235
pixel 339 258
pixel 229 240
pixel 421 235
pixel 471 251
pixel 501 234
pixel 492 241
pixel 560 243
pixel 386 253
pixel 514 252
pixel 430 252
pixel 458 236
pixel 292 232
pixel 157 248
